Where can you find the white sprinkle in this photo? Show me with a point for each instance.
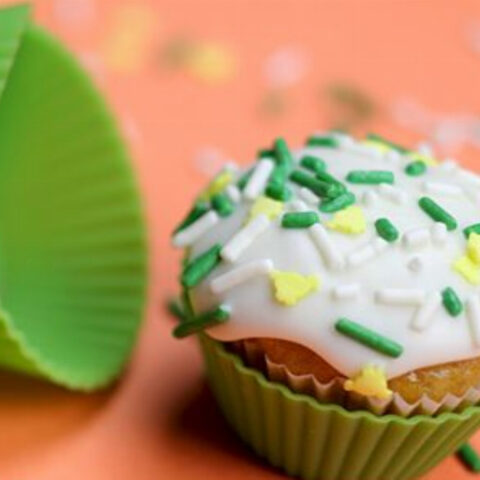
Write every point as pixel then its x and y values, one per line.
pixel 259 179
pixel 469 177
pixel 346 292
pixel 244 238
pixel 194 231
pixel 233 193
pixel 420 237
pixel 241 274
pixel 369 198
pixel 398 296
pixel 359 149
pixel 415 264
pixel 439 233
pixel 392 193
pixel 308 196
pixel 299 206
pixel 344 139
pixel 327 247
pixel 426 313
pixel 449 166
pixel 473 315
pixel 446 189
pixel 366 253
pixel 392 156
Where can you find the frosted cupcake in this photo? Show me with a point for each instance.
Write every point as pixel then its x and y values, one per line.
pixel 339 284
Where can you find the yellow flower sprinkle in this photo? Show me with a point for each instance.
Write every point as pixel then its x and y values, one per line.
pixel 291 287
pixel 217 185
pixel 351 221
pixel 426 159
pixel 473 248
pixel 371 382
pixel 269 207
pixel 468 269
pixel 212 63
pixel 380 146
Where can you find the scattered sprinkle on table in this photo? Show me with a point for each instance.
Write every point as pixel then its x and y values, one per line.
pixel 368 337
pixel 370 177
pixel 469 457
pixel 386 230
pixel 437 213
pixel 205 320
pixel 299 219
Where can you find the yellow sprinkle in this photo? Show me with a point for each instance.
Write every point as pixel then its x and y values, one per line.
pixel 291 287
pixel 473 248
pixel 350 220
pixel 370 382
pixel 380 146
pixel 211 63
pixel 217 185
pixel 468 269
pixel 426 159
pixel 269 207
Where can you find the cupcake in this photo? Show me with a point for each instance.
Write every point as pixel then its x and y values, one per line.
pixel 335 293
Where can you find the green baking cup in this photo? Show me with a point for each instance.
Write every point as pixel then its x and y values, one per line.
pixel 72 237
pixel 311 440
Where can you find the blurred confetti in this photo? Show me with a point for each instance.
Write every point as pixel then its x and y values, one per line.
pixel 448 132
pixel 350 107
pixel 129 37
pixel 208 62
pixel 285 67
pixel 209 160
pixel 75 13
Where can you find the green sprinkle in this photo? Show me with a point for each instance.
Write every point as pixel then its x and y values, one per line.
pixel 265 153
pixel 339 203
pixel 314 164
pixel 222 204
pixel 322 189
pixel 371 177
pixel 199 209
pixel 243 180
pixel 326 177
pixel 175 309
pixel 469 457
pixel 282 153
pixel 201 266
pixel 368 337
pixel 203 321
pixel 299 220
pixel 451 302
pixel 475 228
pixel 395 146
pixel 278 192
pixel 437 213
pixel 328 142
pixel 386 229
pixel 414 169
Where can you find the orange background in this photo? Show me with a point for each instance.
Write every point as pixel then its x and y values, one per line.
pixel 159 421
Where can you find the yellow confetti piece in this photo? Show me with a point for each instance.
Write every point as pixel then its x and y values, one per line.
pixel 428 160
pixel 473 248
pixel 468 269
pixel 217 185
pixel 211 62
pixel 351 221
pixel 371 382
pixel 291 287
pixel 269 207
pixel 380 146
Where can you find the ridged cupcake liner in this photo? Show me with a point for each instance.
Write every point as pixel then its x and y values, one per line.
pixel 73 262
pixel 317 441
pixel 333 391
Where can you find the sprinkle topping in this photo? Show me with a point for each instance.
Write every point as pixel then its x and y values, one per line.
pixel 386 230
pixel 299 219
pixel 217 185
pixel 437 213
pixel 350 221
pixel 205 320
pixel 371 177
pixel 473 248
pixel 314 164
pixel 265 206
pixel 291 287
pixel 200 267
pixel 416 168
pixel 451 302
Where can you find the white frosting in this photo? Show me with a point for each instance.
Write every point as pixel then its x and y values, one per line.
pixel 391 288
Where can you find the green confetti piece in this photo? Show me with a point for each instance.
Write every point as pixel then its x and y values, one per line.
pixel 326 142
pixel 320 188
pixel 266 153
pixel 328 178
pixel 368 337
pixel 199 209
pixel 278 192
pixel 344 200
pixel 222 204
pixel 244 178
pixel 469 457
pixel 452 302
pixel 74 274
pixel 437 213
pixel 370 177
pixel 314 164
pixel 395 146
pixel 386 230
pixel 282 153
pixel 206 320
pixel 414 169
pixel 475 228
pixel 299 220
pixel 201 266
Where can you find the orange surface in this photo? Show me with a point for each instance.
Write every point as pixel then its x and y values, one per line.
pixel 160 421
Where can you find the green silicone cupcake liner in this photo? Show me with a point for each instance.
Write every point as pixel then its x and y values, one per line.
pixel 326 442
pixel 72 239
